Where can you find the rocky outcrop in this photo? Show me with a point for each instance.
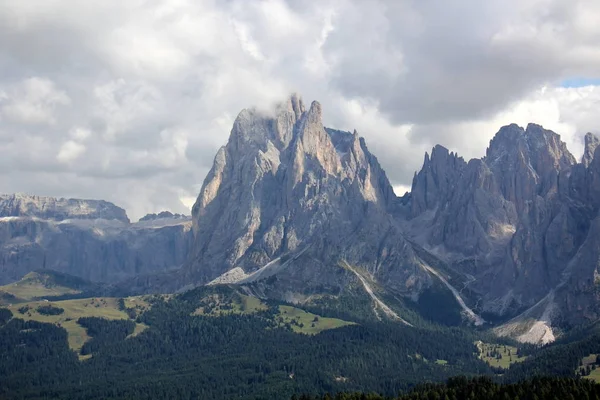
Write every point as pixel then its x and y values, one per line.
pixel 436 179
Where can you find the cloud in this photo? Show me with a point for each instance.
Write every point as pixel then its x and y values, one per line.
pixel 70 151
pixel 129 101
pixel 32 101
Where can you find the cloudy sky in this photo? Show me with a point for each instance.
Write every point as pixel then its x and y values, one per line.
pixel 129 100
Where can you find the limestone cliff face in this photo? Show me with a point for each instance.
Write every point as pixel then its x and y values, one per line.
pixel 86 238
pixel 286 188
pixel 515 222
pixel 591 142
pixel 22 205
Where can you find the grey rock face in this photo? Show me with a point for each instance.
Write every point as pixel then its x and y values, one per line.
pixel 20 205
pixel 436 179
pixel 516 223
pixel 295 198
pixel 591 142
pixel 90 239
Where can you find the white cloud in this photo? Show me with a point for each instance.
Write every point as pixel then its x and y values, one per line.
pixel 70 151
pixel 571 112
pixel 129 101
pixel 32 101
pixel 80 134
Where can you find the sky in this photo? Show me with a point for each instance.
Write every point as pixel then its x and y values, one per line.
pixel 128 101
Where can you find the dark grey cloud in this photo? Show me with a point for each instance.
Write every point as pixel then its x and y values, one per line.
pixel 129 101
pixel 436 61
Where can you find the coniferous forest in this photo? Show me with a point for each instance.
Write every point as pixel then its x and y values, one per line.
pixel 249 356
pixel 485 389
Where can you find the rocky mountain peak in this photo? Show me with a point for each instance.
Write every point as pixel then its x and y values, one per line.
pixel 591 142
pixel 313 147
pixel 527 162
pixel 436 178
pixel 512 142
pixel 296 105
pixel 546 146
pixel 505 139
pixel 297 186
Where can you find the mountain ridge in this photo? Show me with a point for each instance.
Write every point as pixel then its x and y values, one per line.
pixel 288 202
pixel 45 207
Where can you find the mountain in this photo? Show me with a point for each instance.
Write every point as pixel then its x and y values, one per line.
pixel 518 225
pixel 296 249
pixel 22 205
pixel 292 210
pixel 86 238
pixel 511 235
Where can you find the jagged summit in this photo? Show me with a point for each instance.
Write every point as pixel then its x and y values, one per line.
pixel 591 142
pixel 530 141
pixel 513 221
pixel 436 178
pixel 290 199
pixel 296 189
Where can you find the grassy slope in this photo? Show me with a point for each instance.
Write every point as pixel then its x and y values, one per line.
pixel 34 285
pixel 106 307
pixel 102 307
pixel 308 323
pixel 248 305
pixel 300 320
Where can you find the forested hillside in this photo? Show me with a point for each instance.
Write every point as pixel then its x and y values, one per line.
pixel 216 342
pixel 205 344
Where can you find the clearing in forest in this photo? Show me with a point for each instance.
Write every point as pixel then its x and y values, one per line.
pixel 499 355
pixel 307 323
pixel 101 307
pixel 588 367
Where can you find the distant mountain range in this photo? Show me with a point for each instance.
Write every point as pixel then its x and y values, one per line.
pixel 292 210
pixel 87 238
